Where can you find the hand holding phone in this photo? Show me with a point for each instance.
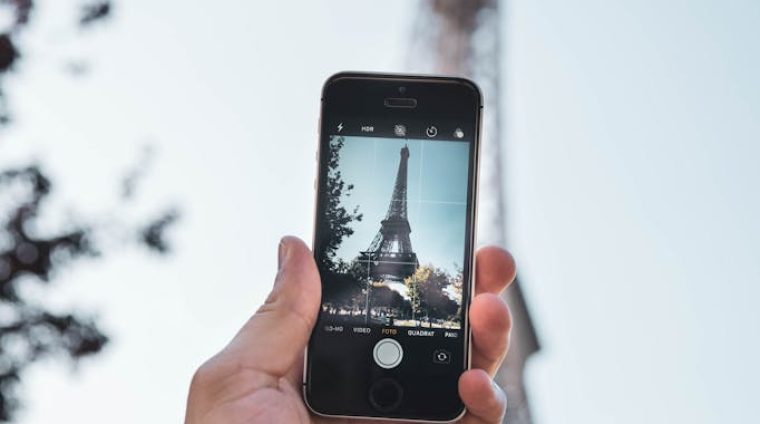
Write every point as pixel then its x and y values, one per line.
pixel 256 377
pixel 394 244
pixel 392 331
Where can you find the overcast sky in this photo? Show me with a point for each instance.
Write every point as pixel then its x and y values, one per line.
pixel 631 156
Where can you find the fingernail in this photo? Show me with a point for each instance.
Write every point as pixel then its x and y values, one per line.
pixel 282 253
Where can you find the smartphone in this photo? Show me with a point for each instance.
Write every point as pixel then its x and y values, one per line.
pixel 396 195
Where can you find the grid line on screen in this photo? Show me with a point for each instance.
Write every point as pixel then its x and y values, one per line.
pixel 442 202
pixel 420 189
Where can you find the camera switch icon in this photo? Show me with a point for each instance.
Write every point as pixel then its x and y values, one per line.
pixel 442 356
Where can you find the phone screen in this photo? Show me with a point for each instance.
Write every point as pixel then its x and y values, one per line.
pixel 393 247
pixel 395 251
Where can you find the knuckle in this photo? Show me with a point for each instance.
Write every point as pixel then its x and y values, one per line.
pixel 205 374
pixel 200 376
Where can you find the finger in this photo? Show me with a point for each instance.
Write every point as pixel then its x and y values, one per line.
pixel 495 269
pixel 274 338
pixel 485 401
pixel 295 374
pixel 491 323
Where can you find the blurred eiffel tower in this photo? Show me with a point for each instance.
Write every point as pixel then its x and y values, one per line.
pixel 462 37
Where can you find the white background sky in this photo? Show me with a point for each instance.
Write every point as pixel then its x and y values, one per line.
pixel 631 157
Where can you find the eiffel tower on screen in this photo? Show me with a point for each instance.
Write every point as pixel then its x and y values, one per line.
pixel 390 255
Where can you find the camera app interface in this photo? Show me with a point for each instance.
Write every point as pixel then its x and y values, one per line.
pixel 393 231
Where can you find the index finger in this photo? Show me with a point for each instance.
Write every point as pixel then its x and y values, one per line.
pixel 494 270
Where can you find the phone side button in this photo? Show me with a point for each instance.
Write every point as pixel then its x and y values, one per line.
pixel 386 394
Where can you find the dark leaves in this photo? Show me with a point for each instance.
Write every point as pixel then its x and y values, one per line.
pixel 8 53
pixel 29 332
pixel 38 334
pixel 153 235
pixel 94 12
pixel 78 336
pixel 21 9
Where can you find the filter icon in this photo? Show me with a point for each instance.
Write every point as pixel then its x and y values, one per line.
pixel 399 130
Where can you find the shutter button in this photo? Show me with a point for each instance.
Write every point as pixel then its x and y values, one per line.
pixel 388 353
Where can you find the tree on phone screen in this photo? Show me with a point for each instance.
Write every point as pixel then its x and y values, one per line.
pixel 337 220
pixel 345 291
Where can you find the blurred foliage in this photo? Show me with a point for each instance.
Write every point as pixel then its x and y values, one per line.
pixel 94 12
pixel 29 331
pixel 21 11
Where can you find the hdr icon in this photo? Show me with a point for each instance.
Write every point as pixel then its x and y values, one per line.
pixel 368 128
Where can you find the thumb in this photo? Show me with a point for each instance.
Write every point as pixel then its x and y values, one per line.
pixel 274 338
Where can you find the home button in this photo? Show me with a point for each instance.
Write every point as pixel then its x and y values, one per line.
pixel 385 395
